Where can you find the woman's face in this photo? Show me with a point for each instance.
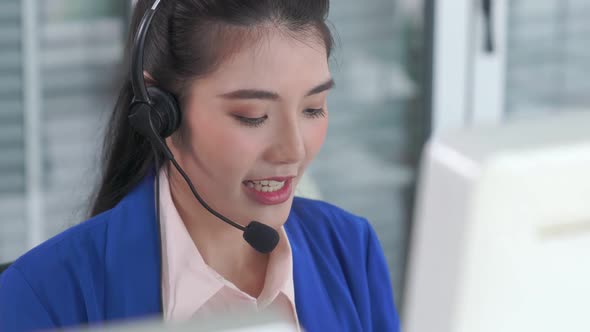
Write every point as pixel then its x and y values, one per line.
pixel 253 126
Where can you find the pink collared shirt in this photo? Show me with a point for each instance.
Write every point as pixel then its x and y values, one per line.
pixel 191 288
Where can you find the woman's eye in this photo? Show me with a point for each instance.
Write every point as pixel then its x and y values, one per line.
pixel 251 122
pixel 256 122
pixel 315 112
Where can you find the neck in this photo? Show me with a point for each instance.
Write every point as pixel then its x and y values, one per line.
pixel 222 246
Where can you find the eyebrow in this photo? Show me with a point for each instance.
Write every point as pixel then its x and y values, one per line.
pixel 271 95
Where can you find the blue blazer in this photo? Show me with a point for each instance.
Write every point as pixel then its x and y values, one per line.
pixel 108 268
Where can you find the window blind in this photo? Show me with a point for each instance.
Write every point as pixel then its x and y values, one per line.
pixel 78 82
pixel 80 44
pixel 548 56
pixel 12 154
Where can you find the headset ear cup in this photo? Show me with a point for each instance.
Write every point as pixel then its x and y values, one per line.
pixel 140 119
pixel 167 111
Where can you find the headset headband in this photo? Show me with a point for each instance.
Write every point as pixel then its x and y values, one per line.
pixel 137 81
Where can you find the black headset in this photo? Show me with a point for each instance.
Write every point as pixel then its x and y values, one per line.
pixel 155 114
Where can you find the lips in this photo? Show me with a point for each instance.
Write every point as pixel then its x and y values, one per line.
pixel 276 178
pixel 269 191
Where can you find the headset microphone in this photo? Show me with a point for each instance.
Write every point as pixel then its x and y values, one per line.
pixel 155 114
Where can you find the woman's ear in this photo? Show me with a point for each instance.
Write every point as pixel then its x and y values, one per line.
pixel 149 80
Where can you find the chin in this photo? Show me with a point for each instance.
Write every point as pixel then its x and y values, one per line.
pixel 276 216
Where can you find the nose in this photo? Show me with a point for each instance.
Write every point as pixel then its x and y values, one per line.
pixel 288 145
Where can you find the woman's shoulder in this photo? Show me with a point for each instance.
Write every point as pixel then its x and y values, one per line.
pixel 331 215
pixel 49 282
pixel 340 254
pixel 316 218
pixel 76 243
pixel 89 240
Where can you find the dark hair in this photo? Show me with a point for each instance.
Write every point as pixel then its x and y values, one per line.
pixel 187 40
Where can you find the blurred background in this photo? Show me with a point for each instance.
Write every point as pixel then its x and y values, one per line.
pixel 405 70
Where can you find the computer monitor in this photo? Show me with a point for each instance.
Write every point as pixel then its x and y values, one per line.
pixel 264 321
pixel 501 236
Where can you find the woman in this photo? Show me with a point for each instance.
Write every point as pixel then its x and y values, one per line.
pixel 250 79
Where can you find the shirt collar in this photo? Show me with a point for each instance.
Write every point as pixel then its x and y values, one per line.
pixel 188 282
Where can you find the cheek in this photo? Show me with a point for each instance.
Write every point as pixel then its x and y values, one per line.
pixel 315 134
pixel 221 148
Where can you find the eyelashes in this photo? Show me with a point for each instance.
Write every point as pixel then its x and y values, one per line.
pixel 251 122
pixel 315 113
pixel 311 113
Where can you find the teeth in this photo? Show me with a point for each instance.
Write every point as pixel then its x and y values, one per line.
pixel 265 185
